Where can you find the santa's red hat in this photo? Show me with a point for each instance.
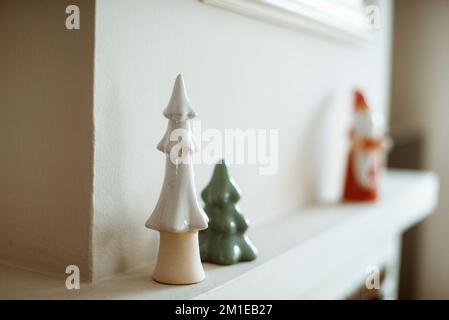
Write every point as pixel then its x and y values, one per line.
pixel 359 101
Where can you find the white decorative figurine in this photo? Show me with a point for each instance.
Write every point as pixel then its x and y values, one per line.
pixel 178 216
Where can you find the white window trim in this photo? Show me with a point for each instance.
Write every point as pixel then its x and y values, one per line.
pixel 340 19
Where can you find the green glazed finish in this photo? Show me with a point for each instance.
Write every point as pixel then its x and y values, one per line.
pixel 224 241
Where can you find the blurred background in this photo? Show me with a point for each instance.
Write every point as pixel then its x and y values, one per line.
pixel 80 113
pixel 419 115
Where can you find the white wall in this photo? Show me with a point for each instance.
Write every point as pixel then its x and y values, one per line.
pixel 421 100
pixel 240 73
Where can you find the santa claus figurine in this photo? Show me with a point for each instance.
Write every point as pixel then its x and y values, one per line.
pixel 368 145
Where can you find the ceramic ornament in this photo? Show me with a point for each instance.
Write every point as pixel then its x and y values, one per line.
pixel 368 146
pixel 224 242
pixel 178 216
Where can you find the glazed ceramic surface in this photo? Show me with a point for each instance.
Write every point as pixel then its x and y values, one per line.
pixel 366 154
pixel 224 242
pixel 177 209
pixel 178 215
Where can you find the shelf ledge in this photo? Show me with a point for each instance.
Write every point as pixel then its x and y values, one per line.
pixel 305 254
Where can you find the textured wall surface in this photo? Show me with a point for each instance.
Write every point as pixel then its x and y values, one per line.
pixel 46 140
pixel 240 73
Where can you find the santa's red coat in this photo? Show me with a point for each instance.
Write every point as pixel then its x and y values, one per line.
pixel 353 190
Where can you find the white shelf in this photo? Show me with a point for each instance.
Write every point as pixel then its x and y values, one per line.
pixel 319 252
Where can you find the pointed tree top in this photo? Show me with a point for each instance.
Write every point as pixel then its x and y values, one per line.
pixel 221 188
pixel 179 107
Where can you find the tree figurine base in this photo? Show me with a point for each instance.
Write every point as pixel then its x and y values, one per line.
pixel 178 260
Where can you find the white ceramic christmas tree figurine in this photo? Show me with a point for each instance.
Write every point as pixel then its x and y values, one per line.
pixel 178 216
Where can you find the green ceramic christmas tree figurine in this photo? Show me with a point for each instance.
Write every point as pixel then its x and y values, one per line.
pixel 224 241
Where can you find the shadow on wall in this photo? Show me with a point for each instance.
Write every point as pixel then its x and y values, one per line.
pixel 407 154
pixel 46 100
pixel 419 110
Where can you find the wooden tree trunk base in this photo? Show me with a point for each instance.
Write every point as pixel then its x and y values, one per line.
pixel 178 260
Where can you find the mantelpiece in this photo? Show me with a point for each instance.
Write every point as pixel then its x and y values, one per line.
pixel 319 252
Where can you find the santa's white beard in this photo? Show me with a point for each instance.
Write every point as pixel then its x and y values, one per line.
pixel 364 164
